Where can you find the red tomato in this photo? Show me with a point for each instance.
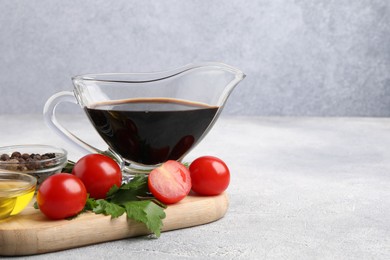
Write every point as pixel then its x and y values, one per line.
pixel 61 196
pixel 170 182
pixel 209 175
pixel 98 173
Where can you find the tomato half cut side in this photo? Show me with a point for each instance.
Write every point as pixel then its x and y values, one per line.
pixel 170 183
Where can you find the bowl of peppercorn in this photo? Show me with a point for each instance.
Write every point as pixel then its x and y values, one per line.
pixel 40 161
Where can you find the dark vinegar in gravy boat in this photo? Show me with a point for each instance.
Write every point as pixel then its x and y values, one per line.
pixel 150 131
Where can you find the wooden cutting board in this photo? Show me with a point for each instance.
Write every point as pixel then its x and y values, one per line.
pixel 32 233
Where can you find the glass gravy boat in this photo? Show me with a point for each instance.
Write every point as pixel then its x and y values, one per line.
pixel 148 118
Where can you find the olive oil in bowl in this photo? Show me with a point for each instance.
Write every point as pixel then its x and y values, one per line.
pixel 16 192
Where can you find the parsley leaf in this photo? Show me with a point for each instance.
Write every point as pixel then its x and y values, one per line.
pixel 148 212
pixel 137 187
pixel 134 199
pixel 108 208
pixel 68 167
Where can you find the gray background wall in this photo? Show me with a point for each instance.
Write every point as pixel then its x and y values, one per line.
pixel 310 58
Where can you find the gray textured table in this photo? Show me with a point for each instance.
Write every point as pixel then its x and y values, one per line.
pixel 301 188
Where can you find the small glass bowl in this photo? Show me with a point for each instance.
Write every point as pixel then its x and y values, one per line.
pixel 41 168
pixel 16 191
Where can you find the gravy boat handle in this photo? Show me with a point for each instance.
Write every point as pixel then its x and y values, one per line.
pixel 50 118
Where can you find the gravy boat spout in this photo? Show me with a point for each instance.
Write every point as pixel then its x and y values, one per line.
pixel 210 83
pixel 148 118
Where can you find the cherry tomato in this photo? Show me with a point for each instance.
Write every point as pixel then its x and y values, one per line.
pixel 209 175
pixel 61 195
pixel 170 182
pixel 98 173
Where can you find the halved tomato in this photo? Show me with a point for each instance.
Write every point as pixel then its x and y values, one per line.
pixel 170 183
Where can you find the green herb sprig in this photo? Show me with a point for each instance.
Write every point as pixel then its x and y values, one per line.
pixel 132 198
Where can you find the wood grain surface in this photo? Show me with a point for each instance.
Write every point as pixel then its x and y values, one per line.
pixel 32 233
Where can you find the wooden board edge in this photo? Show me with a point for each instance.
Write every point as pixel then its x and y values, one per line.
pixel 65 234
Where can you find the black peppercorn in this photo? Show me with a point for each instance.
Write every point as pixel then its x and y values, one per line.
pixel 16 155
pixel 4 157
